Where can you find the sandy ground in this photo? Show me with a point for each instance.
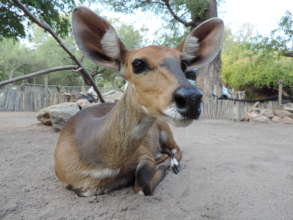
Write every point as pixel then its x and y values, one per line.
pixel 230 171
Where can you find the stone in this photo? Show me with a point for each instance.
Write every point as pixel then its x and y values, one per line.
pixel 288 107
pixel 276 119
pixel 57 115
pixel 283 113
pixel 260 118
pixel 83 103
pixel 268 113
pixel 253 114
pixel 113 96
pixel 287 120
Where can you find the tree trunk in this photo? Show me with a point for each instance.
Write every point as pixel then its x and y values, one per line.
pixel 208 78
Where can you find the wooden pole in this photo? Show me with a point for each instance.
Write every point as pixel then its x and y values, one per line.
pixel 38 73
pixel 280 90
pixel 85 74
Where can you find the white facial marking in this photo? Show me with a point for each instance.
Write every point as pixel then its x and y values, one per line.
pixel 110 44
pixel 192 82
pixel 191 45
pixel 172 112
pixel 172 116
pixel 101 173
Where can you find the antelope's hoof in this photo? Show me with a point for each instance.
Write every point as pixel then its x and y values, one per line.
pixel 175 165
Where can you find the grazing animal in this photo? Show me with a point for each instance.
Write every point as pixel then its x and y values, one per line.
pixel 109 146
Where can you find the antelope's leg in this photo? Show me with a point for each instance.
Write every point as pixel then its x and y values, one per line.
pixel 148 176
pixel 161 158
pixel 169 146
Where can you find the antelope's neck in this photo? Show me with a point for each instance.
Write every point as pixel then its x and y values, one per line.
pixel 126 125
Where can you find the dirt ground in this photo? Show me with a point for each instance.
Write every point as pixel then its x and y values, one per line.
pixel 230 171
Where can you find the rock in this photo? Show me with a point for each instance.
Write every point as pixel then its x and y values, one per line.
pixel 260 118
pixel 283 113
pixel 113 96
pixel 252 115
pixel 289 107
pixel 268 113
pixel 287 120
pixel 44 117
pixel 276 119
pixel 83 103
pixel 57 115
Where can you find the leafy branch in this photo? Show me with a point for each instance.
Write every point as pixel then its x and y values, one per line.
pixel 85 74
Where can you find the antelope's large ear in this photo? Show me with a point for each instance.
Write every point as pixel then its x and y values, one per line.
pixel 97 39
pixel 203 44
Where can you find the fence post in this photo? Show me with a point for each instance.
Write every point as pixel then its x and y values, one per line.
pixel 280 90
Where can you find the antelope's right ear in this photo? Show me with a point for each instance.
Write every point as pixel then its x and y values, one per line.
pixel 97 39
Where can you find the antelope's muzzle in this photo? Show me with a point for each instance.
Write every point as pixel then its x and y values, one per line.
pixel 188 101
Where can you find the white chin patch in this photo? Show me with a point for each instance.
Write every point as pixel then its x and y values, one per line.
pixel 174 117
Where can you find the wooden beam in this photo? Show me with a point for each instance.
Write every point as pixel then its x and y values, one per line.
pixel 85 74
pixel 38 73
pixel 280 92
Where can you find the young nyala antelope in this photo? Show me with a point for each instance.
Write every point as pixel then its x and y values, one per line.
pixel 109 146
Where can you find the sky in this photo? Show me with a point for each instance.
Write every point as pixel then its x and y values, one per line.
pixel 264 15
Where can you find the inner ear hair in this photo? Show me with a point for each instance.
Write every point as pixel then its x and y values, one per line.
pixel 110 44
pixel 190 46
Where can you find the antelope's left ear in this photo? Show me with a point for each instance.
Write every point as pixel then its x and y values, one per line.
pixel 203 44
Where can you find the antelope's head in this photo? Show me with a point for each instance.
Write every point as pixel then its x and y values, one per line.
pixel 159 77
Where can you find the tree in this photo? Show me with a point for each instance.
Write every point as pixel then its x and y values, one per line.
pixel 280 39
pixel 43 53
pixel 19 6
pixel 13 23
pixel 178 13
pixel 257 71
pixel 14 58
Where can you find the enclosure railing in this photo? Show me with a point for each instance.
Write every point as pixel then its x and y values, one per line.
pixel 214 108
pixel 30 97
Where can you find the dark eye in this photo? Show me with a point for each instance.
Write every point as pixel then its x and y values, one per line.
pixel 139 66
pixel 191 74
pixel 183 66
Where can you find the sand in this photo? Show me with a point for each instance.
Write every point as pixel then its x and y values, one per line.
pixel 230 170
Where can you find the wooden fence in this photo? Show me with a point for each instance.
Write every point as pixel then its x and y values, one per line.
pixel 214 108
pixel 35 97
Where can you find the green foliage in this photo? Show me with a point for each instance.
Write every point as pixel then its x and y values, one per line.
pixel 17 58
pixel 188 10
pixel 280 39
pixel 14 58
pixel 14 24
pixel 131 38
pixel 244 67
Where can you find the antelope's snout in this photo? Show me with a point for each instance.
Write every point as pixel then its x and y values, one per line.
pixel 188 101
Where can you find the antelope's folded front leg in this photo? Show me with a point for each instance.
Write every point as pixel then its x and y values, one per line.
pixel 148 175
pixel 169 146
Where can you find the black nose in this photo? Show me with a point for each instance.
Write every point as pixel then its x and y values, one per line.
pixel 188 100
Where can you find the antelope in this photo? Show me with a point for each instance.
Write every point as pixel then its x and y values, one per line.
pixel 109 146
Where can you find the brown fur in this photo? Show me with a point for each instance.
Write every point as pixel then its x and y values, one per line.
pixel 109 146
pixel 69 163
